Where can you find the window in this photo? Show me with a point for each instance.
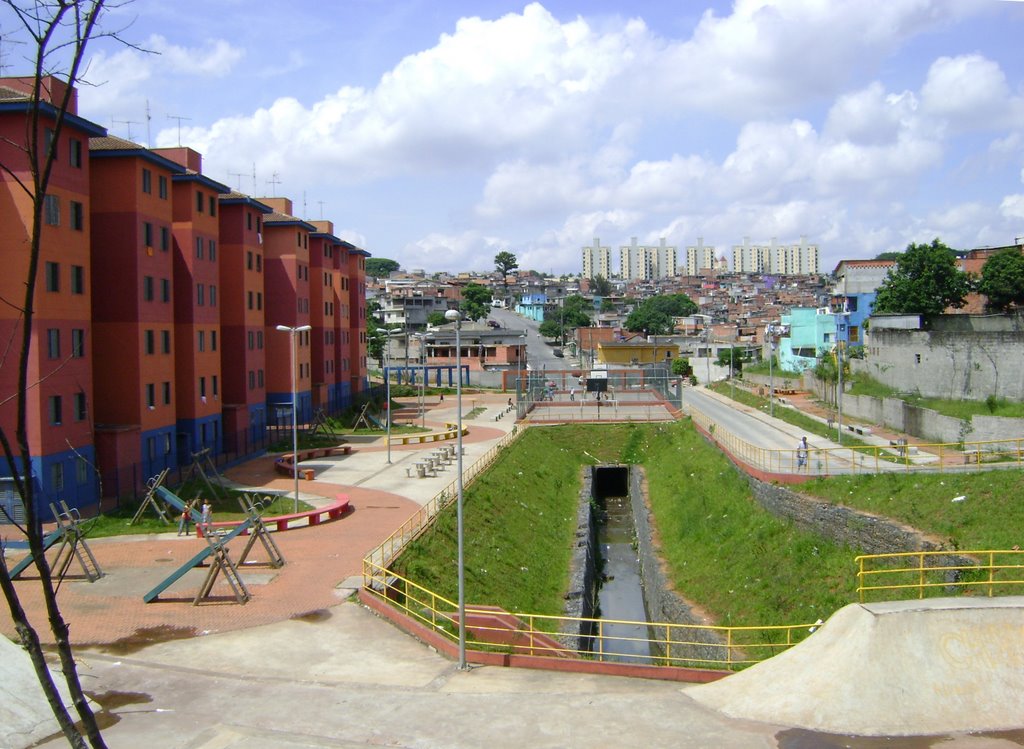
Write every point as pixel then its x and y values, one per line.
pixel 57 476
pixel 200 294
pixel 49 142
pixel 213 340
pixel 53 343
pixel 147 288
pixel 76 152
pixel 248 220
pixel 252 340
pixel 213 250
pixel 259 300
pixel 165 238
pixel 213 385
pixel 52 276
pixel 165 341
pixel 259 339
pixel 77 343
pixel 213 295
pixel 202 387
pixel 213 206
pixel 80 411
pixel 259 263
pixel 201 342
pixel 77 216
pixel 56 408
pixel 150 395
pixel 199 201
pixel 248 260
pixel 167 393
pixel 81 470
pixel 298 238
pixel 51 210
pixel 249 303
pixel 259 377
pixel 147 181
pixel 167 440
pixel 162 186
pixel 199 248
pixel 165 289
pixel 147 234
pixel 150 342
pixel 77 279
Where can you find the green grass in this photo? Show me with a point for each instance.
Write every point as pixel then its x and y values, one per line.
pixel 761 368
pixel 863 384
pixel 723 552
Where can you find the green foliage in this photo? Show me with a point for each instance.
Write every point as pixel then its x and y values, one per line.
pixel 600 286
pixel 574 313
pixel 682 367
pixel 505 262
pixel 1002 280
pixel 436 319
pixel 925 280
pixel 607 305
pixel 734 355
pixel 862 384
pixel 476 300
pixel 374 336
pixel 550 329
pixel 654 315
pixel 381 267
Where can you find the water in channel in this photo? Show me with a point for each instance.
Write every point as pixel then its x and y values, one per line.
pixel 621 596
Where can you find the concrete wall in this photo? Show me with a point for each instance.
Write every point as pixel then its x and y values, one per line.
pixel 958 357
pixel 581 598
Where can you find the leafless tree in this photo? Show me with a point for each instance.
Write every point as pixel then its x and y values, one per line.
pixel 57 32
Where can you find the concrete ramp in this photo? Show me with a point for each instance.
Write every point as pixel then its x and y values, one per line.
pixel 891 669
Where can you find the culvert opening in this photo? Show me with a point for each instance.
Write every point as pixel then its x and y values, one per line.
pixel 621 592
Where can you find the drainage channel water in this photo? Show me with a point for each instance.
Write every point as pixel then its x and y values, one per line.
pixel 621 595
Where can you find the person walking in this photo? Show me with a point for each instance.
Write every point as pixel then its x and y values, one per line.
pixel 207 516
pixel 801 453
pixel 185 519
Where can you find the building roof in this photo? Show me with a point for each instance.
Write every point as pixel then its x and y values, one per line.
pixel 110 146
pixel 190 175
pixel 240 198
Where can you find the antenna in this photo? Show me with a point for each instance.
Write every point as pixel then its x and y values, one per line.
pixel 254 178
pixel 305 212
pixel 129 123
pixel 149 134
pixel 274 181
pixel 321 204
pixel 239 175
pixel 179 119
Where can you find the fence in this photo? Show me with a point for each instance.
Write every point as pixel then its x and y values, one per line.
pixel 940 573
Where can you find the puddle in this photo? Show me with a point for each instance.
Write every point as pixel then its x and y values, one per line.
pixel 143 638
pixel 312 617
pixel 801 738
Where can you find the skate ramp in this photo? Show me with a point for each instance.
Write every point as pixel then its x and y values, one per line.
pixel 891 669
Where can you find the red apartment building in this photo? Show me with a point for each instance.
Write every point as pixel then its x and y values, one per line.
pixel 60 379
pixel 326 261
pixel 286 287
pixel 197 370
pixel 242 322
pixel 133 330
pixel 355 366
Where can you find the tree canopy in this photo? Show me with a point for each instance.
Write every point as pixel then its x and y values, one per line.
pixel 476 300
pixel 925 280
pixel 436 319
pixel 600 286
pixel 654 315
pixel 574 313
pixel 1002 280
pixel 504 262
pixel 381 267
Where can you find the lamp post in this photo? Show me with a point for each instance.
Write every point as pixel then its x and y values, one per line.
pixel 453 315
pixel 770 330
pixel 839 392
pixel 293 333
pixel 387 391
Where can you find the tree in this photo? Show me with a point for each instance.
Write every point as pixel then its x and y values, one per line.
pixel 381 267
pixel 600 286
pixel 682 367
pixel 654 315
pixel 476 300
pixel 574 313
pixel 733 356
pixel 436 319
pixel 59 32
pixel 607 305
pixel 504 262
pixel 1002 280
pixel 925 280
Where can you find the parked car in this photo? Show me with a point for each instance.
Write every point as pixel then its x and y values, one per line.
pixel 557 352
pixel 493 324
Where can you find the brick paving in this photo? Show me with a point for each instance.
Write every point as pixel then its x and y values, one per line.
pixel 319 559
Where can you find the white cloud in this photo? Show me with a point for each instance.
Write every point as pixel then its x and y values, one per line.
pixel 968 91
pixel 1012 207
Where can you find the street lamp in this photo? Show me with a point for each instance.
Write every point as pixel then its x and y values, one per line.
pixel 387 390
pixel 839 366
pixel 453 315
pixel 293 333
pixel 770 331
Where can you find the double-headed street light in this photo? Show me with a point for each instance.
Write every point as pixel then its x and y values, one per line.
pixel 454 316
pixel 293 333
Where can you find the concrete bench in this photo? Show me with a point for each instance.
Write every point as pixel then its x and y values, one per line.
pixel 858 429
pixel 286 463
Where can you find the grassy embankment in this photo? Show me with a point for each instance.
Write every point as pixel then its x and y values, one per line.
pixel 743 565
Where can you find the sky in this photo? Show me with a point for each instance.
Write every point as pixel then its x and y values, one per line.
pixel 439 133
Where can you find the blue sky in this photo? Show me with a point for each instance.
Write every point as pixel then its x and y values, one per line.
pixel 440 133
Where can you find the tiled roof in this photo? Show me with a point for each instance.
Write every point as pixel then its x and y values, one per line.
pixel 113 143
pixel 9 94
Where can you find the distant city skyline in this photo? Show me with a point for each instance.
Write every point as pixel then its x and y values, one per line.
pixel 440 134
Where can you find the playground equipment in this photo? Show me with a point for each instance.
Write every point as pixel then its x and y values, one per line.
pixel 217 551
pixel 150 500
pixel 367 419
pixel 321 425
pixel 70 532
pixel 203 467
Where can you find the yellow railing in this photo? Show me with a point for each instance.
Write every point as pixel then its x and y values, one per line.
pixel 939 456
pixel 415 525
pixel 939 573
pixel 648 643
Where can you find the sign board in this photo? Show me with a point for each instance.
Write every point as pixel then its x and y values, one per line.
pixel 599 374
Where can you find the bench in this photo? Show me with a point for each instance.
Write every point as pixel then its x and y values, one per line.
pixel 286 463
pixel 340 506
pixel 858 429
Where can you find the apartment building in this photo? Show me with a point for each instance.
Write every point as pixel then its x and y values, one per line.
pixel 597 260
pixel 59 384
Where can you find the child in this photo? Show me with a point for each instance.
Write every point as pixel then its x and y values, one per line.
pixel 186 518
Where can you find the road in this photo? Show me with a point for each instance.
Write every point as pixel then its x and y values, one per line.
pixel 539 354
pixel 757 429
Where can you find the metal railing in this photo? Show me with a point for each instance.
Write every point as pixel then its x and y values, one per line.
pixel 602 640
pixel 406 533
pixel 940 457
pixel 939 573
